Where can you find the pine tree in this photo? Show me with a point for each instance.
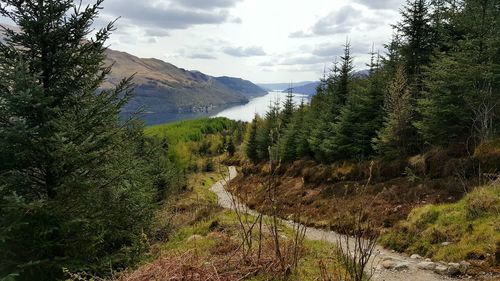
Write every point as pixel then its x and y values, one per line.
pixel 344 77
pixel 73 191
pixel 418 41
pixel 392 58
pixel 288 108
pixel 361 117
pixel 252 144
pixel 342 84
pixel 395 136
pixel 268 133
pixel 320 114
pixel 463 84
pixel 302 144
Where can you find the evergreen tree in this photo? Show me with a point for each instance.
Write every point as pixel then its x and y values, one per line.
pixel 360 118
pixel 294 141
pixel 392 58
pixel 288 108
pixel 268 133
pixel 344 77
pixel 463 84
pixel 418 41
pixel 320 114
pixel 341 90
pixel 252 145
pixel 394 137
pixel 302 144
pixel 73 191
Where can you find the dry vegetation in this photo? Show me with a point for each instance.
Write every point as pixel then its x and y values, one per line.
pixel 328 195
pixel 204 243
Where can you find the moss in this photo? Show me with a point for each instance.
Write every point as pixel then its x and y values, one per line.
pixel 471 226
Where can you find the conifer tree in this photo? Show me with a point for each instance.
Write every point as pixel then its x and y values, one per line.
pixel 73 191
pixel 418 41
pixel 342 83
pixel 288 108
pixel 320 114
pixel 360 118
pixel 252 144
pixel 302 144
pixel 392 58
pixel 394 137
pixel 268 133
pixel 463 84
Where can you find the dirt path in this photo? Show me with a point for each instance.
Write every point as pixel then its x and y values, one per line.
pixel 408 269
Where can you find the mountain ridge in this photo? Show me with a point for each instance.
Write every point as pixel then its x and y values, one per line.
pixel 164 89
pixel 161 87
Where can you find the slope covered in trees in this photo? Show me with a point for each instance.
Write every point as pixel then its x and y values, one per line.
pixel 421 128
pixel 437 85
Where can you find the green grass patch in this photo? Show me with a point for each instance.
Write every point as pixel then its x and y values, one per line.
pixel 472 226
pixel 192 143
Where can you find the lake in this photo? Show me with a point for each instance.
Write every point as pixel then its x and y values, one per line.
pixel 245 112
pixel 258 105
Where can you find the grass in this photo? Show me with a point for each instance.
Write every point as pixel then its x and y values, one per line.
pixel 471 225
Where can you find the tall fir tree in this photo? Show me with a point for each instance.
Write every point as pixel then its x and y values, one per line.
pixel 341 90
pixel 252 146
pixel 288 108
pixel 360 118
pixel 269 133
pixel 394 137
pixel 73 191
pixel 417 41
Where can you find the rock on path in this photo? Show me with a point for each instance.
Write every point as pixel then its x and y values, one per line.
pixel 388 266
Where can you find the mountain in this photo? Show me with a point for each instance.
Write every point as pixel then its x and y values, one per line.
pixel 281 86
pixel 161 87
pixel 307 89
pixel 310 88
pixel 165 92
pixel 241 86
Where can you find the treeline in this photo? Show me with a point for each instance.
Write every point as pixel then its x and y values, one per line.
pixel 437 84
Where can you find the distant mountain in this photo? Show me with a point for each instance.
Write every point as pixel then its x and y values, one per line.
pixel 244 87
pixel 310 89
pixel 281 86
pixel 307 89
pixel 362 73
pixel 165 92
pixel 163 89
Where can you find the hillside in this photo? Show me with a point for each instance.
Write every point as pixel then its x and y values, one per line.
pixel 308 89
pixel 162 88
pixel 281 86
pixel 165 92
pixel 244 87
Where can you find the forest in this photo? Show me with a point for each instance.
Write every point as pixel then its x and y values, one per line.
pixel 435 85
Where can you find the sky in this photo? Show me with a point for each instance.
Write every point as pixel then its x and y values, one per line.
pixel 265 41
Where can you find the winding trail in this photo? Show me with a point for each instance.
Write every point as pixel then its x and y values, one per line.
pixel 411 273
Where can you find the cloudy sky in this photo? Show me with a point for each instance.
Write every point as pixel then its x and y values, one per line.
pixel 259 40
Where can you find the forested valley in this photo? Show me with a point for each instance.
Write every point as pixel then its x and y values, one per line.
pixel 389 176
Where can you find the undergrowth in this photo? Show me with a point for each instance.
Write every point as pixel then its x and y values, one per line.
pixel 204 244
pixel 466 230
